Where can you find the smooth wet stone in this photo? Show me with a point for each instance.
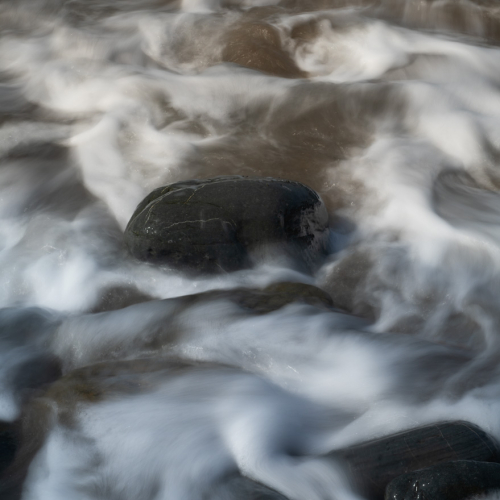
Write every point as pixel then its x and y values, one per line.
pixel 224 223
pixel 373 465
pixel 449 481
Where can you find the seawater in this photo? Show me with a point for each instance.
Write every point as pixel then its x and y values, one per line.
pixel 390 109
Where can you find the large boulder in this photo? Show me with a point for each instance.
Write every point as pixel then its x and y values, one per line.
pixel 373 465
pixel 221 224
pixel 458 480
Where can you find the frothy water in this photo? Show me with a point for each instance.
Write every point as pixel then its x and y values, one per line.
pixel 389 109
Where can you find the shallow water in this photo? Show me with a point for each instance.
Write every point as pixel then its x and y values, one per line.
pixel 390 109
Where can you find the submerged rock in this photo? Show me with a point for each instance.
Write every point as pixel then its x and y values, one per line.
pixel 257 45
pixel 59 407
pixel 449 481
pixel 373 465
pixel 27 365
pixel 266 300
pixel 118 297
pixel 221 224
pixel 8 444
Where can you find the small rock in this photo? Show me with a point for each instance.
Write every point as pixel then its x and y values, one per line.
pixel 449 481
pixel 373 465
pixel 219 224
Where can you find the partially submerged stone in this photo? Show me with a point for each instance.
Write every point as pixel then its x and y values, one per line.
pixel 268 299
pixel 373 465
pixel 221 224
pixel 458 480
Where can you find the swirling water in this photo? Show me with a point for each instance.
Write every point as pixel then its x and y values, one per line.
pixel 390 109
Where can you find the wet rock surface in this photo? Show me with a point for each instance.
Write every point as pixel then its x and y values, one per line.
pixel 449 481
pixel 224 223
pixel 375 464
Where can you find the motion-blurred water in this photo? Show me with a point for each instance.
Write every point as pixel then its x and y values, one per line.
pixel 390 109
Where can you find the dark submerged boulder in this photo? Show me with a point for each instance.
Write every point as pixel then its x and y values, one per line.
pixel 373 465
pixel 449 481
pixel 220 224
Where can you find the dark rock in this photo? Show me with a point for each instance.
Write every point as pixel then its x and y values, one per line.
pixel 35 372
pixel 8 444
pixel 23 325
pixel 269 299
pixel 449 481
pixel 26 332
pixel 219 224
pixel 347 280
pixel 30 433
pixel 288 292
pixel 373 465
pixel 118 297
